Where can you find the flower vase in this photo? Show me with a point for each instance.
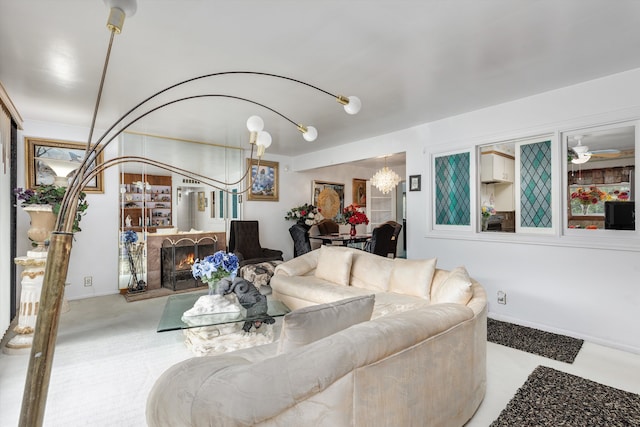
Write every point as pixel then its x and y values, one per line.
pixel 213 287
pixel 585 209
pixel 485 223
pixel 43 221
pixel 352 232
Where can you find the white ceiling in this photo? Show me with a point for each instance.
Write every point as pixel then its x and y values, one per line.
pixel 410 62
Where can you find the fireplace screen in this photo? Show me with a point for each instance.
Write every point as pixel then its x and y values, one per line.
pixel 177 259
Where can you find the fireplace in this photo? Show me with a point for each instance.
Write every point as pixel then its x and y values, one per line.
pixel 177 257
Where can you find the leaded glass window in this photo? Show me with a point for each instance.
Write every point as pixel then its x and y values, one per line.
pixel 452 189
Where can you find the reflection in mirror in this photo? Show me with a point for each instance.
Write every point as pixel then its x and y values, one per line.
pixel 176 204
pixel 156 204
pixel 186 207
pixel 601 178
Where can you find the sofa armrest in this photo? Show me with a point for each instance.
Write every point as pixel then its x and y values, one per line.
pixel 229 390
pixel 300 266
pixel 172 396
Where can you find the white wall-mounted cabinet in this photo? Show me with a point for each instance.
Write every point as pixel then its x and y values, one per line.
pixel 496 167
pixel 504 197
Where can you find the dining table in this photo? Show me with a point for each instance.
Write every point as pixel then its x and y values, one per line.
pixel 345 239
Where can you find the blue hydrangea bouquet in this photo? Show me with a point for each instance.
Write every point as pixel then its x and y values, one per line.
pixel 212 268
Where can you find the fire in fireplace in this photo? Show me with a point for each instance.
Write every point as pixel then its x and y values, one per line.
pixel 177 257
pixel 186 262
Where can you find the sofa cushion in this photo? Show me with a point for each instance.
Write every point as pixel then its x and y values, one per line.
pixel 334 265
pixel 369 271
pixel 412 277
pixel 456 288
pixel 303 326
pixel 310 290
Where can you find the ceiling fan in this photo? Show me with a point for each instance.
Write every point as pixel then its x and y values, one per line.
pixel 581 154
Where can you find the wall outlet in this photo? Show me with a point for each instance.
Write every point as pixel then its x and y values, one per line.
pixel 502 297
pixel 88 281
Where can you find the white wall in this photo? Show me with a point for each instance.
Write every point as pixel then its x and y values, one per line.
pixel 572 285
pixel 295 190
pixel 94 252
pixel 95 249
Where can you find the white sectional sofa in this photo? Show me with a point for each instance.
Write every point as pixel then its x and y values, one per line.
pixel 419 361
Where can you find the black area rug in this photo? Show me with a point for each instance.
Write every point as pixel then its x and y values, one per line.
pixel 553 398
pixel 546 344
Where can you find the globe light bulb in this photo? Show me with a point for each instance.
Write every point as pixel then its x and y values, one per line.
pixel 255 124
pixel 354 105
pixel 264 139
pixel 129 7
pixel 311 134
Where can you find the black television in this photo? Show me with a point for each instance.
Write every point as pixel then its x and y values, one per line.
pixel 620 215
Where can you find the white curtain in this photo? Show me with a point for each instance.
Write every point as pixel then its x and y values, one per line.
pixel 5 220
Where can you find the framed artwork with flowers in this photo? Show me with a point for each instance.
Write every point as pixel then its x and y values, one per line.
pixel 262 180
pixel 39 173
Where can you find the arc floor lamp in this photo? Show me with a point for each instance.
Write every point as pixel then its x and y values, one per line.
pixel 42 350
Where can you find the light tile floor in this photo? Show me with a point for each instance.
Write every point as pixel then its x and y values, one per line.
pixel 108 356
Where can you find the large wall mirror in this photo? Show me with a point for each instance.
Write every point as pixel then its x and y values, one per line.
pixel 154 199
pixel 160 208
pixel 600 177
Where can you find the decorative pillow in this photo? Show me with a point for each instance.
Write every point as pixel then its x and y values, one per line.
pixel 309 324
pixel 334 265
pixel 456 288
pixel 412 277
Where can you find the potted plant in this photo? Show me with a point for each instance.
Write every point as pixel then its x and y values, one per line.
pixel 43 205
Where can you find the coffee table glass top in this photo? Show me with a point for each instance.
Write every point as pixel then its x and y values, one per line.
pixel 171 319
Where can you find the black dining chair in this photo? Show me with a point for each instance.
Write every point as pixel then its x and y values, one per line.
pixel 381 240
pixel 397 227
pixel 301 243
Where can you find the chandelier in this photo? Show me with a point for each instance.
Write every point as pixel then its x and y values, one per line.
pixel 55 275
pixel 385 179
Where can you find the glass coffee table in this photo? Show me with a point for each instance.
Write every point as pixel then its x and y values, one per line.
pixel 172 317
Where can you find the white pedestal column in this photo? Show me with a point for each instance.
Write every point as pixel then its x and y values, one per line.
pixel 31 282
pixel 29 301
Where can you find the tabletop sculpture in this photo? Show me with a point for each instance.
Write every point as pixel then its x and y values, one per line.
pixel 250 298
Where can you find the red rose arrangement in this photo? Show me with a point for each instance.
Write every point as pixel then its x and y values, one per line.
pixel 354 215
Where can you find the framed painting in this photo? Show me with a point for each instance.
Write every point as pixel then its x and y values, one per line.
pixel 415 182
pixel 329 198
pixel 359 191
pixel 262 180
pixel 66 153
